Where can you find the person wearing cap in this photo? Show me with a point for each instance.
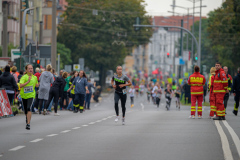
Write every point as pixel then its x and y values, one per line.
pixel 7 81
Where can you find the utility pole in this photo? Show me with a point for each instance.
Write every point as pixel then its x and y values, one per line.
pixel 5 37
pixel 54 36
pixel 200 31
pixel 181 48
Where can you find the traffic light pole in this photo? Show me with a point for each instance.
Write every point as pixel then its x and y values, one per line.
pixel 23 28
pixel 161 26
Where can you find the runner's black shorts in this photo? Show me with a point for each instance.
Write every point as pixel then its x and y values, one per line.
pixel 27 104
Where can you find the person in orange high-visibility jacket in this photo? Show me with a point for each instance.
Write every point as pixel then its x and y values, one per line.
pixel 220 88
pixel 211 96
pixel 196 81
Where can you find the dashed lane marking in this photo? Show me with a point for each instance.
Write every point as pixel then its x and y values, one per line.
pixel 109 116
pixel 85 125
pixel 76 127
pixel 234 136
pixel 225 145
pixel 66 131
pixel 51 135
pixel 91 123
pixel 104 119
pixel 99 121
pixel 37 140
pixel 17 148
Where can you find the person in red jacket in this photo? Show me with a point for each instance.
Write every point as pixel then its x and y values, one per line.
pixel 211 96
pixel 37 74
pixel 196 81
pixel 220 88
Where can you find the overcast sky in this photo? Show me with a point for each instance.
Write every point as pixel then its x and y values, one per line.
pixel 161 7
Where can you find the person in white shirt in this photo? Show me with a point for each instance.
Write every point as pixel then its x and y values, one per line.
pixel 131 95
pixel 153 93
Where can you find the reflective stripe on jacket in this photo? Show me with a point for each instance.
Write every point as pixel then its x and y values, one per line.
pixel 196 81
pixel 220 83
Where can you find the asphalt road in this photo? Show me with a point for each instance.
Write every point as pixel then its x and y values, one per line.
pixel 149 133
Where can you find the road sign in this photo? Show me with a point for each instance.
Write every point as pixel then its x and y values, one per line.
pixel 15 53
pixel 76 67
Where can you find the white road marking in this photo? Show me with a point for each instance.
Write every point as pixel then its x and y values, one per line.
pixel 234 136
pixel 65 131
pixel 37 140
pixel 84 125
pixel 99 121
pixel 109 117
pixel 91 123
pixel 225 145
pixel 76 127
pixel 142 106
pixel 51 135
pixel 0 155
pixel 104 119
pixel 95 105
pixel 16 148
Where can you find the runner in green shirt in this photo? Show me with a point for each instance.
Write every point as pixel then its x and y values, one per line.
pixel 28 83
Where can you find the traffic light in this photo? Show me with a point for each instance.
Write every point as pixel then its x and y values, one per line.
pixel 137 23
pixel 168 54
pixel 38 63
pixel 25 4
pixel 196 58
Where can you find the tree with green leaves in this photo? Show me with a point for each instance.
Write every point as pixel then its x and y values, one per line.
pixel 102 32
pixel 64 52
pixel 10 46
pixel 224 33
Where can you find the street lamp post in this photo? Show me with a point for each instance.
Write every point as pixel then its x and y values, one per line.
pixel 162 26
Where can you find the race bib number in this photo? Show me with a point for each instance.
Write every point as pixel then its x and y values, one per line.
pixel 28 89
pixel 168 95
pixel 124 91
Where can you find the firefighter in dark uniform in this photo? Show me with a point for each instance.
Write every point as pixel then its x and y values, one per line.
pixel 236 91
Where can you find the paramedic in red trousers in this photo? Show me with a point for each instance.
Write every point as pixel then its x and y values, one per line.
pixel 220 88
pixel 211 95
pixel 196 81
pixel 229 78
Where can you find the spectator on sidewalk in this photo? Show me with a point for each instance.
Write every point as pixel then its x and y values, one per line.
pixel 89 95
pixel 46 79
pixel 14 70
pixel 37 74
pixel 7 81
pixel 20 76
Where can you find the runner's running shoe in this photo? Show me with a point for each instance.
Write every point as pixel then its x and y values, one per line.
pixel 199 117
pixel 123 121
pixel 28 127
pixel 116 120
